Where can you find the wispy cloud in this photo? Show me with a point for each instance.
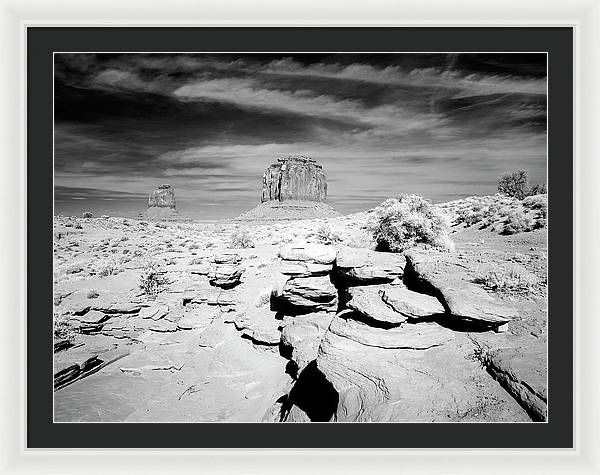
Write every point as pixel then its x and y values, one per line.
pixel 210 124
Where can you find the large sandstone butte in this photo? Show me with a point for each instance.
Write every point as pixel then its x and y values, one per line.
pixel 163 197
pixel 294 177
pixel 293 188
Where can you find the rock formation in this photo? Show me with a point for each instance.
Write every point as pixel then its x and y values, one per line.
pixel 161 204
pixel 293 188
pixel 163 197
pixel 294 177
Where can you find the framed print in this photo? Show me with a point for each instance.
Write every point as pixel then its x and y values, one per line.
pixel 265 242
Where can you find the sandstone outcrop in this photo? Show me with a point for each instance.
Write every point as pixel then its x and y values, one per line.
pixel 294 177
pixel 412 305
pixel 462 300
pixel 295 187
pixel 363 266
pixel 368 302
pixel 162 197
pixel 301 337
pixel 226 271
pixel 519 372
pixel 309 294
pixel 305 260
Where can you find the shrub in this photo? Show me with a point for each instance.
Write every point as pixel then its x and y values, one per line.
pixel 63 328
pixel 87 214
pixel 407 221
pixel 108 267
pixel 538 189
pixel 514 184
pixel 152 281
pixel 512 280
pixel 241 239
pixel 538 202
pixel 92 294
pixel 517 222
pixel 326 235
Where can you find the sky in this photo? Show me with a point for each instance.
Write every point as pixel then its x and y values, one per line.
pixel 440 125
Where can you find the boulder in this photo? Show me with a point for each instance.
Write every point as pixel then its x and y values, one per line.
pixel 444 279
pixel 225 272
pixel 260 325
pixel 301 336
pixel 163 197
pixel 294 177
pixel 368 301
pixel 310 294
pixel 363 266
pixel 225 276
pixel 413 305
pixel 304 260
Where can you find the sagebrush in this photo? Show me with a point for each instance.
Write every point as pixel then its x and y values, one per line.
pixel 241 239
pixel 152 279
pixel 511 280
pixel 407 221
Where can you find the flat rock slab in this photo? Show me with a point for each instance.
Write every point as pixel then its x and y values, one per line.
pixel 163 326
pixel 195 319
pixel 444 279
pixel 363 266
pixel 93 317
pixel 227 258
pixel 304 269
pixel 522 372
pixel 155 312
pixel 260 325
pixel 311 294
pixel 421 336
pixel 368 301
pixel 413 305
pixel 307 252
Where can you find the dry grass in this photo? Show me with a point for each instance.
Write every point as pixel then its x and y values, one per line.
pixel 508 280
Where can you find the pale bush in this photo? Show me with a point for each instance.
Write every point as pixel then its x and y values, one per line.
pixel 517 222
pixel 241 239
pixel 326 235
pixel 152 280
pixel 511 280
pixel 408 221
pixel 537 202
pixel 64 329
pixel 108 267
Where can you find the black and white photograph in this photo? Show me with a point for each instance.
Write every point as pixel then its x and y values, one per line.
pixel 300 237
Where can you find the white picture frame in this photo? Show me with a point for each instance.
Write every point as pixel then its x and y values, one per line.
pixel 584 15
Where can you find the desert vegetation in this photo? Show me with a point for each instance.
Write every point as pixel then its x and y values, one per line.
pixel 408 221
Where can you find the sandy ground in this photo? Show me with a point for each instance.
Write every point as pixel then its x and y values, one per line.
pixel 196 363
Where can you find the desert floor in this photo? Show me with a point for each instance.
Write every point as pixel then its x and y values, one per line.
pixel 197 352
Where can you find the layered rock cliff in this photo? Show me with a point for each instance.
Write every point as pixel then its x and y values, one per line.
pixel 294 177
pixel 163 197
